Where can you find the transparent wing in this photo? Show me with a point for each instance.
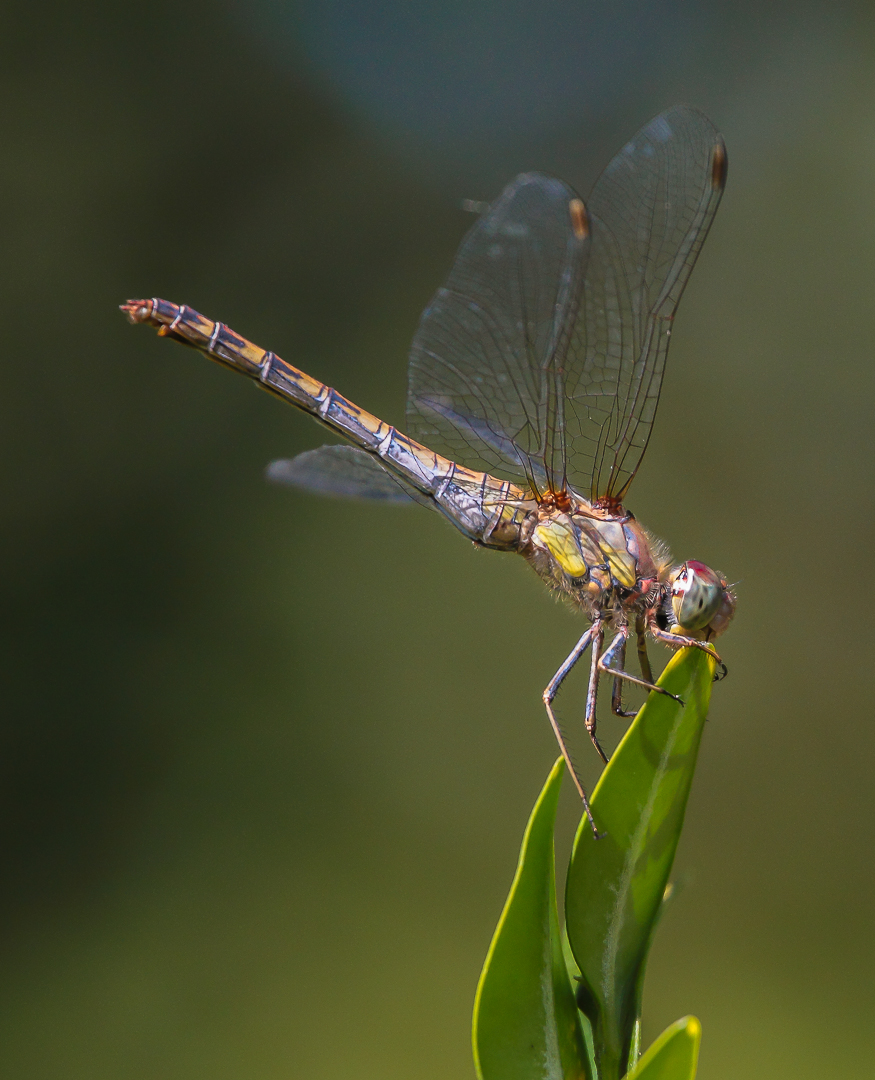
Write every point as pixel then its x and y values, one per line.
pixel 650 212
pixel 542 357
pixel 485 385
pixel 346 472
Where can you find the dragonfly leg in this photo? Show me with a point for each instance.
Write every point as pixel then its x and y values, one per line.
pixel 598 637
pixel 643 658
pixel 617 689
pixel 616 651
pixel 678 641
pixel 549 696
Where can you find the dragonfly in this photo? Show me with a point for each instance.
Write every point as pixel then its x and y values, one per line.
pixel 534 379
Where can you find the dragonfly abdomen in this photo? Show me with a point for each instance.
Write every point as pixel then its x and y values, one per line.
pixel 484 508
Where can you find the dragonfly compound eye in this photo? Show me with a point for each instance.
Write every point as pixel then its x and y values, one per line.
pixel 696 595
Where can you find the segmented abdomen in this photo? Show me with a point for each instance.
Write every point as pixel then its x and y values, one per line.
pixel 481 506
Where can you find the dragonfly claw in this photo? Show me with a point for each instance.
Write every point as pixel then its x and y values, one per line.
pixel 674 697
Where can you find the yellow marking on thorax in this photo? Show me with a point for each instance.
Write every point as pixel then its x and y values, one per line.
pixel 611 540
pixel 622 567
pixel 561 541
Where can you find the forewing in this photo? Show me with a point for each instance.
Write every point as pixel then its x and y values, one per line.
pixel 650 212
pixel 345 472
pixel 485 383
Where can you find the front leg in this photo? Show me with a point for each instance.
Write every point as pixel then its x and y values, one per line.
pixel 617 689
pixel 643 658
pixel 643 663
pixel 616 651
pixel 598 637
pixel 680 641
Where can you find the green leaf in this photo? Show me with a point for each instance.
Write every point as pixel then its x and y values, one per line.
pixel 615 884
pixel 674 1054
pixel 526 1022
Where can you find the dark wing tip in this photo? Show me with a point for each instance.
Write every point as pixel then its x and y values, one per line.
pixel 579 218
pixel 719 165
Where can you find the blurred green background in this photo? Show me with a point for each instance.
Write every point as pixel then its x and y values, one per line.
pixel 266 761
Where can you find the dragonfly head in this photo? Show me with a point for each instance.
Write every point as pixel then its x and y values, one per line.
pixel 701 602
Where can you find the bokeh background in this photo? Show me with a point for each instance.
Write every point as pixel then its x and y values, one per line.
pixel 266 761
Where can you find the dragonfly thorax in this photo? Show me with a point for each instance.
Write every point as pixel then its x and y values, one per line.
pixel 602 561
pixel 608 565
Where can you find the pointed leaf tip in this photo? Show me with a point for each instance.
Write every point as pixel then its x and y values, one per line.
pixel 674 1055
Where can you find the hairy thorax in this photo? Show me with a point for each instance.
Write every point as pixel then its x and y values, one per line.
pixel 599 558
